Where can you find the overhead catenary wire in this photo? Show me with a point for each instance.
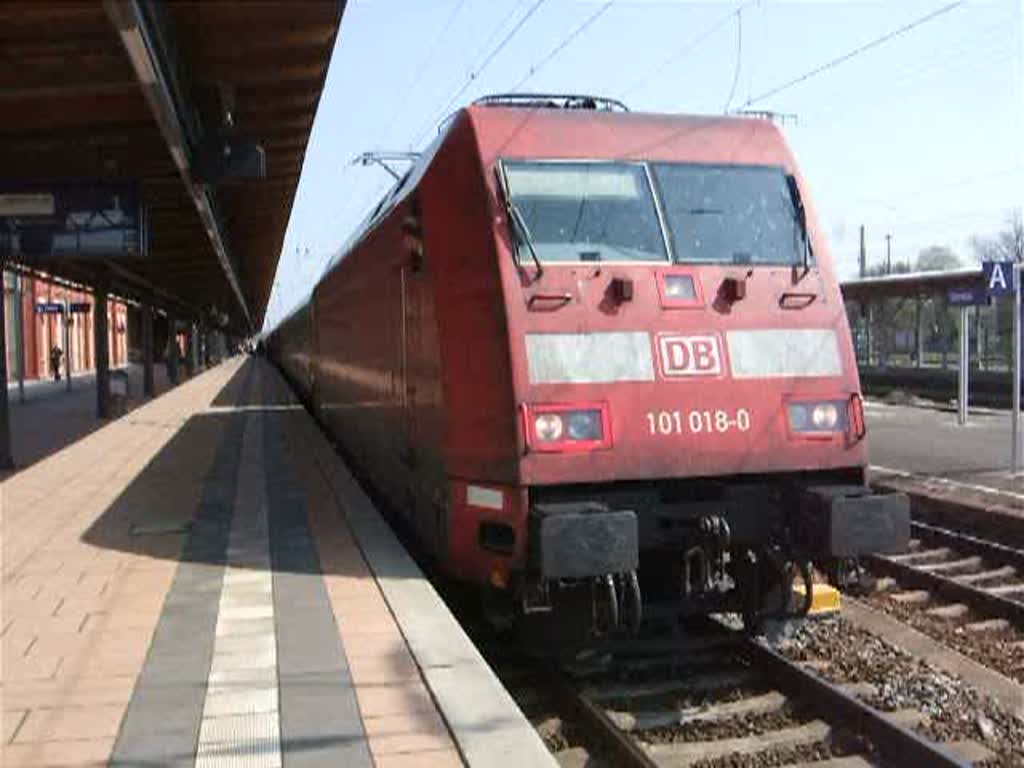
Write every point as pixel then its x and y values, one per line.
pixel 739 59
pixel 871 44
pixel 943 188
pixel 422 68
pixel 565 42
pixel 480 69
pixel 866 107
pixel 683 52
pixel 479 54
pixel 497 30
pixel 901 84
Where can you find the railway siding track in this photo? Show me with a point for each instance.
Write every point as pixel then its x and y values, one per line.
pixel 968 571
pixel 747 700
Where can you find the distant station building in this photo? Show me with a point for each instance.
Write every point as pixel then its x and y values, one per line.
pixel 40 327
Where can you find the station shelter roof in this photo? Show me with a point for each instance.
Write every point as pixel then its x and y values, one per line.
pixel 146 91
pixel 910 284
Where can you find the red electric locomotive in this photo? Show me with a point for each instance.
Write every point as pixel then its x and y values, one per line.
pixel 599 359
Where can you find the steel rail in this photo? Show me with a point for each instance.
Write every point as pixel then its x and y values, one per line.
pixel 625 751
pixel 896 744
pixel 973 544
pixel 997 605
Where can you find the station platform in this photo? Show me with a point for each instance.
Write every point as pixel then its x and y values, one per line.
pixel 50 417
pixel 202 583
pixel 921 450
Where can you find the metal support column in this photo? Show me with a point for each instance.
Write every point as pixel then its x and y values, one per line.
pixel 172 349
pixel 1015 420
pixel 965 365
pixel 19 338
pixel 919 335
pixel 6 451
pixel 204 344
pixel 868 334
pixel 101 344
pixel 147 350
pixel 979 339
pixel 190 345
pixel 66 319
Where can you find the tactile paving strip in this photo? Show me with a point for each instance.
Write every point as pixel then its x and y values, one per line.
pixel 164 716
pixel 241 717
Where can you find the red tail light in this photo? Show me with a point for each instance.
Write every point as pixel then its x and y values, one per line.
pixel 858 427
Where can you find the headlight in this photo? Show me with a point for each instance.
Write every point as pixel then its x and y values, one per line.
pixel 573 427
pixel 548 427
pixel 584 425
pixel 798 419
pixel 828 416
pixel 680 288
pixel 825 416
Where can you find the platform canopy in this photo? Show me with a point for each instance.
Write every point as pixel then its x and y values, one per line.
pixel 207 105
pixel 910 284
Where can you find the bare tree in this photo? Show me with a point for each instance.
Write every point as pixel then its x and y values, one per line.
pixel 1006 245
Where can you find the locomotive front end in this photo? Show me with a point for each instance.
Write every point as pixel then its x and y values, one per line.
pixel 692 431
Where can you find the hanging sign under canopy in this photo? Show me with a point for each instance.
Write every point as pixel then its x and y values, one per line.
pixel 42 221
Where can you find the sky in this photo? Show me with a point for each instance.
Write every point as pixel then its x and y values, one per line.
pixel 918 138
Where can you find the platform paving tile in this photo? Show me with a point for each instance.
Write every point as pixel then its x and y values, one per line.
pixel 69 692
pixel 259 727
pixel 422 731
pixel 80 753
pixel 247 612
pixel 85 592
pixel 226 701
pixel 373 670
pixel 241 720
pixel 12 720
pixel 484 721
pixel 66 723
pixel 237 678
pixel 440 758
pixel 128 620
pixel 299 659
pixel 21 669
pixel 255 644
pixel 378 645
pixel 241 627
pixel 265 659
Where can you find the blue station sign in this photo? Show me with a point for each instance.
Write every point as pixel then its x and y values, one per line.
pixel 50 308
pixel 999 277
pixel 972 296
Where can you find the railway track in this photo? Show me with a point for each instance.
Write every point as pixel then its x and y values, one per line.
pixel 728 700
pixel 971 575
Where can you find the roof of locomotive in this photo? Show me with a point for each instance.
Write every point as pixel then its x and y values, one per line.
pixel 539 132
pixel 600 134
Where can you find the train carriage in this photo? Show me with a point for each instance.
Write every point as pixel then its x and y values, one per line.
pixel 599 359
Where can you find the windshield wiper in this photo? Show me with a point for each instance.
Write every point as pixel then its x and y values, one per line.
pixel 800 214
pixel 524 233
pixel 517 220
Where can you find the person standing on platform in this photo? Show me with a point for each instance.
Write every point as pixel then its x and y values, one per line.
pixel 56 353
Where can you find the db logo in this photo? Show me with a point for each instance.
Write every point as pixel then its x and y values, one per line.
pixel 689 355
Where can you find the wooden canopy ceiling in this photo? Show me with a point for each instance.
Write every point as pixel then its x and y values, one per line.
pixel 76 105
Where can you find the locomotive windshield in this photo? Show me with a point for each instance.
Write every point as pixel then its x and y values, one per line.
pixel 577 211
pixel 729 214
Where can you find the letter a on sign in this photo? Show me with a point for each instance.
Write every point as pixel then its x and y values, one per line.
pixel 997 282
pixel 999 277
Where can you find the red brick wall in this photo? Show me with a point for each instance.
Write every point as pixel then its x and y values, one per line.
pixel 41 331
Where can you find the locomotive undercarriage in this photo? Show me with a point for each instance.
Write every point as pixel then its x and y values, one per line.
pixel 603 558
